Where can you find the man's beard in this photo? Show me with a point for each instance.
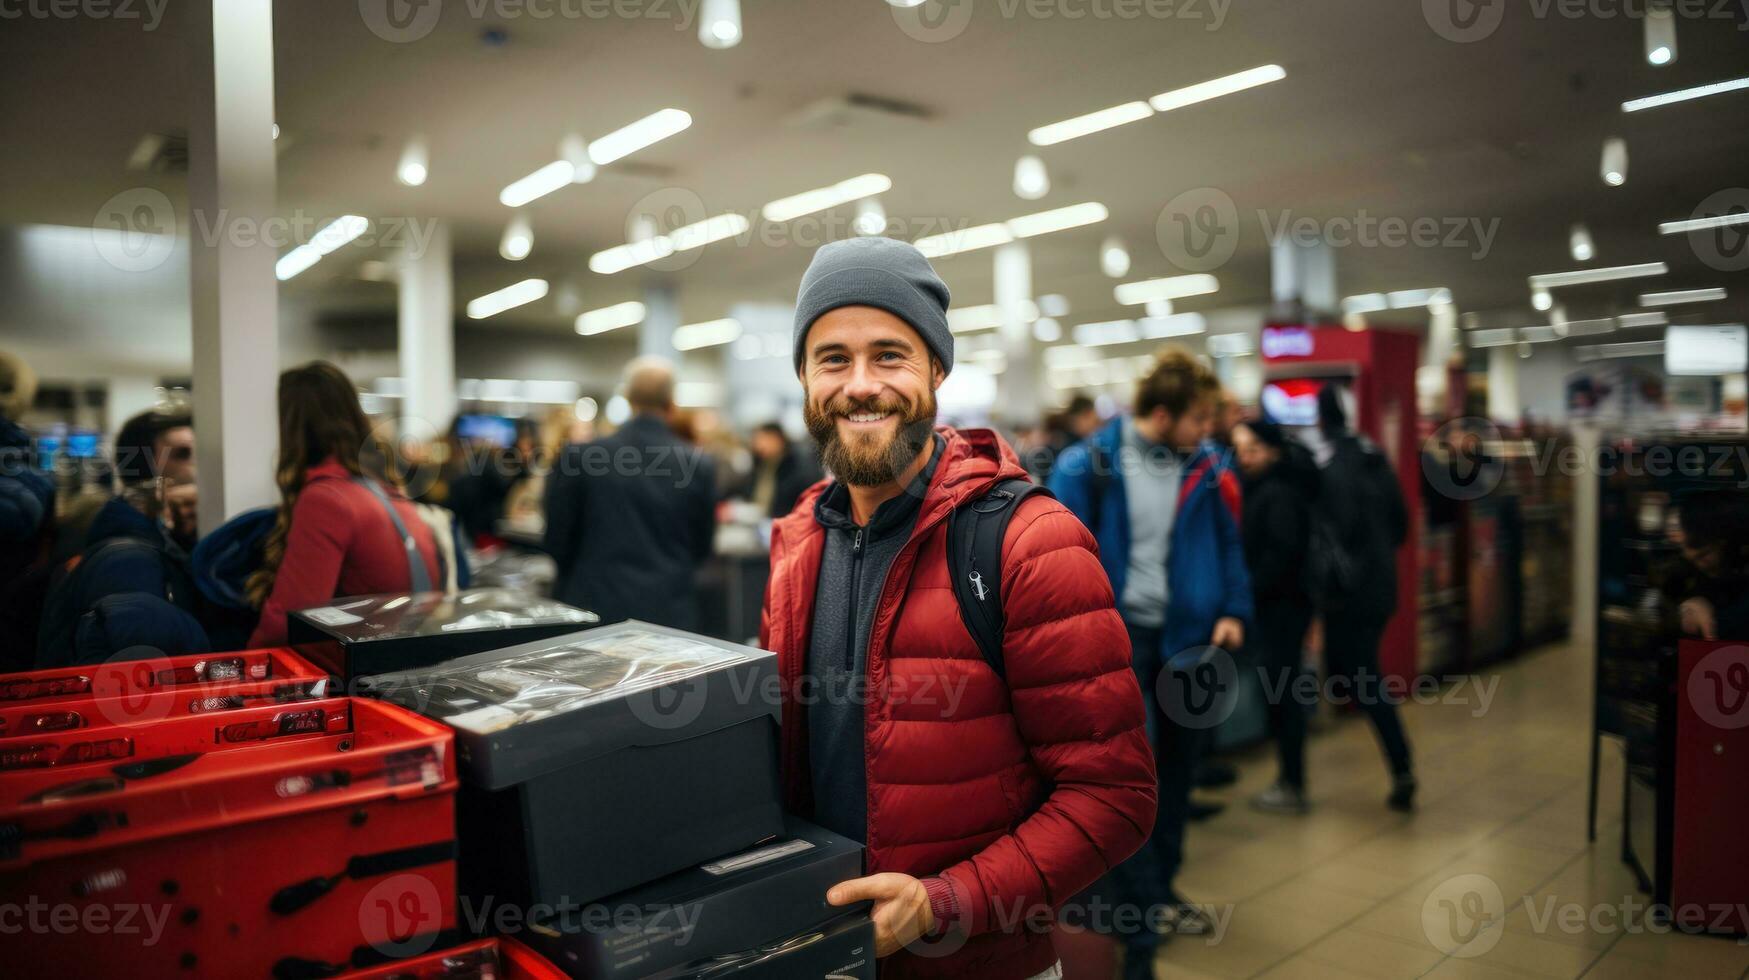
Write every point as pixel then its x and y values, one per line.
pixel 869 460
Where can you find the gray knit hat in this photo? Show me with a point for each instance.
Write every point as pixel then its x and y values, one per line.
pixel 881 272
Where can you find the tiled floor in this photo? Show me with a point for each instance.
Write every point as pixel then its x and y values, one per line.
pixel 1495 856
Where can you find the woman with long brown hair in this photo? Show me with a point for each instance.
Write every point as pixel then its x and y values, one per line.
pixel 344 526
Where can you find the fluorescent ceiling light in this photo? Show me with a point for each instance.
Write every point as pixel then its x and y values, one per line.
pixel 1058 219
pixel 538 184
pixel 1675 296
pixel 1629 321
pixel 1053 304
pixel 622 257
pixel 610 318
pixel 510 297
pixel 1106 332
pixel 1683 95
pixel 1231 344
pixel 1703 224
pixel 1092 122
pixel 964 240
pixel 820 199
pixel 1538 335
pixel 696 235
pixel 710 333
pixel 702 233
pixel 630 139
pixel 1404 299
pixel 1365 303
pixel 1174 287
pixel 1636 348
pixel 1587 328
pixel 333 235
pixel 1490 338
pixel 1214 88
pixel 1177 325
pixel 1550 280
pixel 988 316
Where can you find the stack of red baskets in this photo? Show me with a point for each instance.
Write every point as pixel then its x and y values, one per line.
pixel 219 815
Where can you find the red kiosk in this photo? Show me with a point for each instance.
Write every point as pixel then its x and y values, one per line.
pixel 1377 367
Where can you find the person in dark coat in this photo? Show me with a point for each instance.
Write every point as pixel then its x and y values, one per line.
pixel 781 471
pixel 631 517
pixel 27 518
pixel 1363 507
pixel 1281 482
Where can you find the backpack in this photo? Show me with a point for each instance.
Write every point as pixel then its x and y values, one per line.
pixel 123 593
pixel 974 561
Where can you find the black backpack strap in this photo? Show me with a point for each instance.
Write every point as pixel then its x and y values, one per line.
pixel 974 559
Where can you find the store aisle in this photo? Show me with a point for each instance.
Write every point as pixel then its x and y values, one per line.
pixel 1341 893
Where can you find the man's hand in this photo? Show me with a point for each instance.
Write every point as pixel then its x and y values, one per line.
pixel 901 910
pixel 179 508
pixel 1229 633
pixel 1698 618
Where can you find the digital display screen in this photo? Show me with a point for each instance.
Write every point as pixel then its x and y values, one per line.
pixel 1292 401
pixel 492 430
pixel 82 445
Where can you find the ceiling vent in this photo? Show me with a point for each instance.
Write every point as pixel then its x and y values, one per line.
pixel 855 110
pixel 160 153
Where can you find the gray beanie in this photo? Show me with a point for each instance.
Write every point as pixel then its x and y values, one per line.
pixel 881 272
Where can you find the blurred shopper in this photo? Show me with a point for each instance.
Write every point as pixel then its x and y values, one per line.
pixel 1165 510
pixel 1281 481
pixel 1360 523
pixel 1706 589
pixel 344 527
pixel 1068 427
pixel 1227 414
pixel 630 517
pixel 130 588
pixel 781 472
pixel 981 809
pixel 27 519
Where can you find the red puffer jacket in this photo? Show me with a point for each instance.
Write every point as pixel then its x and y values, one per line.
pixel 1017 795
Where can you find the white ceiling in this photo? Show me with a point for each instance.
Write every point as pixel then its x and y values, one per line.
pixel 1379 114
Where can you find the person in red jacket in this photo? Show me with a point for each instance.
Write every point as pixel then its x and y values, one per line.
pixel 985 800
pixel 344 528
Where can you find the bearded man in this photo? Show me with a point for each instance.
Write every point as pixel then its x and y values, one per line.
pixel 986 799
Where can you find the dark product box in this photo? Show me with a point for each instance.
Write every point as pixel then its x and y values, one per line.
pixel 727 905
pixel 382 633
pixel 842 949
pixel 604 759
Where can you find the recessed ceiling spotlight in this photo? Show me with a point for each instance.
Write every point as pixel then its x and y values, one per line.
pixel 1615 161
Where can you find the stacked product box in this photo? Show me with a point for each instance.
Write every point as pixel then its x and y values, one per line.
pixel 636 765
pixel 385 633
pixel 290 840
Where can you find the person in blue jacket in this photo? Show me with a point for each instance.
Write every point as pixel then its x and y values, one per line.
pixel 27 516
pixel 1163 504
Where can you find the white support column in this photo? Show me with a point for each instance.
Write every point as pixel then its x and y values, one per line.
pixel 1019 382
pixel 1302 277
pixel 234 295
pixel 426 316
pixel 1503 404
pixel 661 316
